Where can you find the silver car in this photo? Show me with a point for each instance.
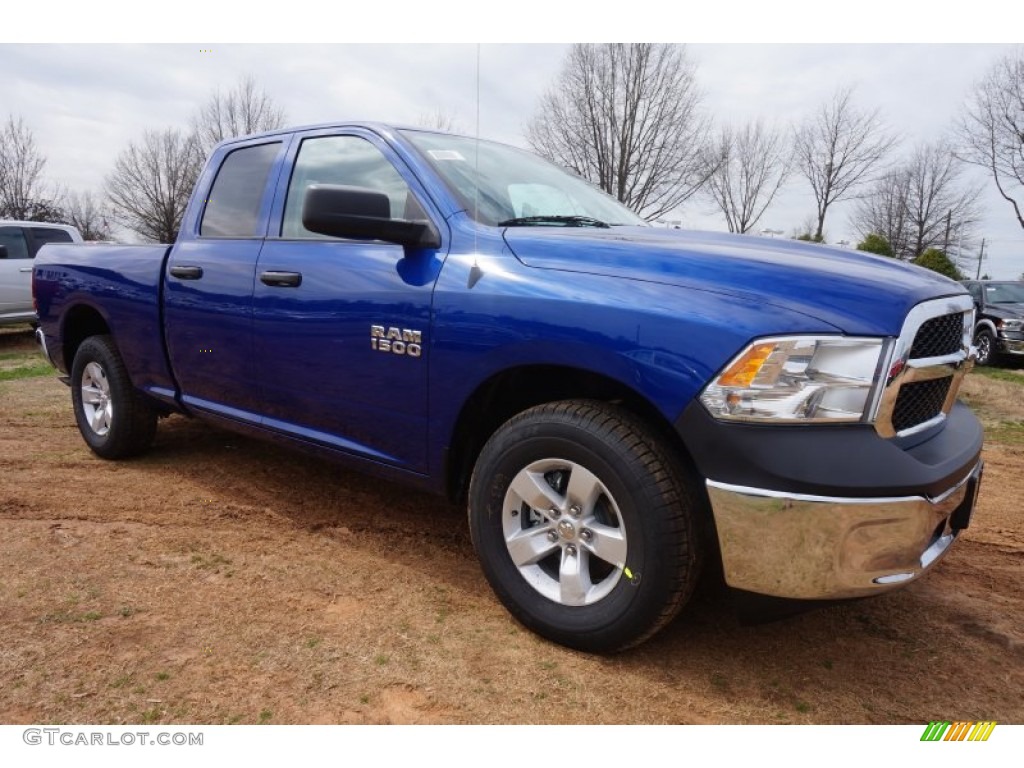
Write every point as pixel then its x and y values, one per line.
pixel 20 241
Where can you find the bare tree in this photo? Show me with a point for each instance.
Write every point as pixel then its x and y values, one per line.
pixel 991 129
pixel 754 165
pixel 152 180
pixel 883 211
pixel 89 215
pixel 938 203
pixel 837 149
pixel 22 188
pixel 439 120
pixel 805 231
pixel 921 204
pixel 628 118
pixel 242 110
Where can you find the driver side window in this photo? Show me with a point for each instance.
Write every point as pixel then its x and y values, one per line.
pixel 348 161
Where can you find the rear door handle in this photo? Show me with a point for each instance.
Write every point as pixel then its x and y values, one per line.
pixel 25 269
pixel 281 279
pixel 187 273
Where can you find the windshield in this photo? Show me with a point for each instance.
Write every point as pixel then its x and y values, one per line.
pixel 1004 293
pixel 514 187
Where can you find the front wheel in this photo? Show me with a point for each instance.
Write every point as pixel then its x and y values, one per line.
pixel 584 525
pixel 114 419
pixel 985 343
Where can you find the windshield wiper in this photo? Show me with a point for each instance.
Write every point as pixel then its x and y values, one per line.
pixel 568 221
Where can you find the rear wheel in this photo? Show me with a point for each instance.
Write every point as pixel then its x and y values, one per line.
pixel 114 419
pixel 584 525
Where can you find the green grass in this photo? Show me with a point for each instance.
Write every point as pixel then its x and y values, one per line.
pixel 66 617
pixel 999 374
pixel 24 355
pixel 27 372
pixel 123 680
pixel 1006 432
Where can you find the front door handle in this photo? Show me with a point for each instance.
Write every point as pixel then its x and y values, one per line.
pixel 187 273
pixel 25 269
pixel 281 279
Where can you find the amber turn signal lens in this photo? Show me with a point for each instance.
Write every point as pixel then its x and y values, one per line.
pixel 745 369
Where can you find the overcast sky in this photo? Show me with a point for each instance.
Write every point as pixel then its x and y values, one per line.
pixel 86 102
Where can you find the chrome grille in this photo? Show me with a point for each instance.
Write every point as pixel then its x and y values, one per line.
pixel 939 336
pixel 925 367
pixel 919 402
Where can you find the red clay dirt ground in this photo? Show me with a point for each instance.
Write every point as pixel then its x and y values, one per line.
pixel 223 580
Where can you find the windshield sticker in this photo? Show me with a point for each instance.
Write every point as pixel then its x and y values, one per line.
pixel 445 154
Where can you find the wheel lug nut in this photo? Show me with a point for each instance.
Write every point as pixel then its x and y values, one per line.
pixel 555 513
pixel 570 550
pixel 575 510
pixel 552 536
pixel 586 534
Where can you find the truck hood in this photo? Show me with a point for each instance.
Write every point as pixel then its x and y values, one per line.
pixel 856 292
pixel 1006 311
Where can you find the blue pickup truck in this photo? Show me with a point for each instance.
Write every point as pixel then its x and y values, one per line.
pixel 617 405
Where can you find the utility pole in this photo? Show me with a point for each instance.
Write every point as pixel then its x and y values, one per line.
pixel 945 242
pixel 981 255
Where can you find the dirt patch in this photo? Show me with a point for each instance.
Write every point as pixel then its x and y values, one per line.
pixel 222 580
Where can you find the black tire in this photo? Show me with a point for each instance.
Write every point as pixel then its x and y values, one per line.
pixel 985 343
pixel 114 419
pixel 619 495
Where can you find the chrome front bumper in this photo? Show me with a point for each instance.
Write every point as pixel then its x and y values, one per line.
pixel 821 548
pixel 1012 346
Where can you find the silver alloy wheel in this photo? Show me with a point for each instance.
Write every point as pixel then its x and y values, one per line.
pixel 564 532
pixel 983 343
pixel 96 402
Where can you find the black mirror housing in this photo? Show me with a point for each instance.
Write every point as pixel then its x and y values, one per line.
pixel 3 251
pixel 362 214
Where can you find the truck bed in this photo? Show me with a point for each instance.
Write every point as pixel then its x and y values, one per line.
pixel 120 284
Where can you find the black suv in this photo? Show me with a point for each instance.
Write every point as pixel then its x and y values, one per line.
pixel 999 323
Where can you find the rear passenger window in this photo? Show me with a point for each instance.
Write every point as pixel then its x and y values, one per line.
pixel 233 209
pixel 14 239
pixel 43 235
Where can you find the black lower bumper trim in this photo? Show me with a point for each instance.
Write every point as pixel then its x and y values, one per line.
pixel 849 460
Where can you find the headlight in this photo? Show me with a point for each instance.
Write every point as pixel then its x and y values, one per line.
pixel 1011 325
pixel 797 379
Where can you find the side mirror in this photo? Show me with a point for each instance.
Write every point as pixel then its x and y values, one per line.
pixel 362 214
pixel 3 251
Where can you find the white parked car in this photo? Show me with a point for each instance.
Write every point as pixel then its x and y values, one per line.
pixel 20 241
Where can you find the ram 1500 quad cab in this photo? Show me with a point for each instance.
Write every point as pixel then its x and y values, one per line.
pixel 999 319
pixel 616 404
